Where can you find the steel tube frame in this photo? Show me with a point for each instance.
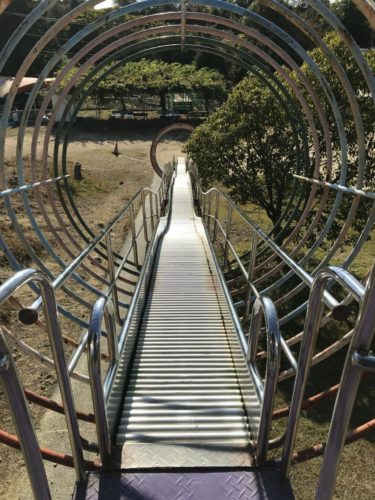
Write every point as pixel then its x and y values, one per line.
pixel 264 307
pixel 102 310
pixel 312 324
pixel 10 287
pixel 15 398
pixel 363 335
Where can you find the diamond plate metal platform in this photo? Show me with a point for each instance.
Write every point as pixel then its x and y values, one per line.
pixel 224 485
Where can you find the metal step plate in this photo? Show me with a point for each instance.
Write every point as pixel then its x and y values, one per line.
pixel 263 484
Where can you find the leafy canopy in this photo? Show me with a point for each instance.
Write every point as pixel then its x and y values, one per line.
pixel 248 145
pixel 159 77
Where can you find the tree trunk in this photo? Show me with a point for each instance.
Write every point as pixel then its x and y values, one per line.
pixel 163 105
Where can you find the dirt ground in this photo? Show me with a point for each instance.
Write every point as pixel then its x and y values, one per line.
pixel 108 183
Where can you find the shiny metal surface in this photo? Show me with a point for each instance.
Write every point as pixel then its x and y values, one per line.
pixel 15 397
pixel 264 308
pixel 184 385
pixel 54 335
pixel 311 329
pixel 363 337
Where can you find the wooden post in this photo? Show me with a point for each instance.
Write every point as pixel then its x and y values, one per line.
pixel 77 172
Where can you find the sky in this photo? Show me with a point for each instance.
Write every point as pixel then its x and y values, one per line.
pixel 106 4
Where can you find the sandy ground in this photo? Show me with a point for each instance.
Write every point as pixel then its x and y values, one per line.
pixel 108 183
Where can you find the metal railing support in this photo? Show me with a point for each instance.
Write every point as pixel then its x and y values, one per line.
pixel 151 198
pixel 312 324
pixel 112 276
pixel 339 311
pixel 54 334
pixel 102 310
pixel 216 215
pixel 357 360
pixel 264 307
pixel 250 271
pixel 227 234
pixel 134 236
pixel 209 214
pixel 22 421
pixel 144 215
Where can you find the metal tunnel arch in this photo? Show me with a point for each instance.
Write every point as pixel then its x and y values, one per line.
pixel 211 39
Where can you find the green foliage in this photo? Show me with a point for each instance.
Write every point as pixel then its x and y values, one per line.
pixel 158 77
pixel 367 111
pixel 248 145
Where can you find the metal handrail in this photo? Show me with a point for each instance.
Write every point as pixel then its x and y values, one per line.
pixel 103 309
pixel 7 289
pixel 357 360
pixel 29 315
pixel 264 307
pixel 311 328
pixel 328 299
pixel 22 421
pixel 265 391
pixel 116 344
pixel 114 275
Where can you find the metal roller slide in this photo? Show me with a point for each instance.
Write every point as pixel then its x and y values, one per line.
pixel 184 401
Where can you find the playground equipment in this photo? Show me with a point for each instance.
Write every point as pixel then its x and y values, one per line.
pixel 183 396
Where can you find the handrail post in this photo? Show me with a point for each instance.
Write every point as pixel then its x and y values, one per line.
pixel 203 206
pixel 22 421
pixel 112 276
pixel 250 272
pixel 57 347
pixel 363 335
pixel 312 324
pixel 144 217
pixel 264 307
pixel 227 234
pixel 95 331
pixel 209 214
pixel 48 302
pixel 216 215
pixel 134 236
pixel 151 198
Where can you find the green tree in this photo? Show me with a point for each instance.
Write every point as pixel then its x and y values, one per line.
pixel 158 77
pixel 367 110
pixel 248 145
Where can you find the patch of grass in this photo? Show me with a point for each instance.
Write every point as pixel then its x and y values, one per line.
pixel 89 186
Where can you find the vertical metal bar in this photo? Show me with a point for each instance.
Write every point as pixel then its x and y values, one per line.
pixel 264 307
pixel 227 234
pixel 252 260
pixel 151 197
pixel 312 324
pixel 57 347
pixel 160 201
pixel 134 235
pixel 216 215
pixel 22 421
pixel 209 213
pixel 364 332
pixel 110 323
pixel 156 198
pixel 112 276
pixel 95 330
pixel 163 188
pixel 144 216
